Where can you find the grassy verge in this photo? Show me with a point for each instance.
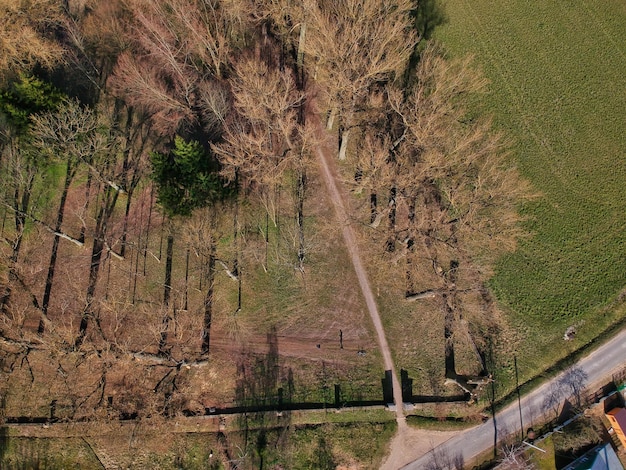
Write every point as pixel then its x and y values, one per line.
pixel 562 363
pixel 46 453
pixel 352 439
pixel 343 416
pixel 436 424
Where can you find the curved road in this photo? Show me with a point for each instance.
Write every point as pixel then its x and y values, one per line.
pixel 592 370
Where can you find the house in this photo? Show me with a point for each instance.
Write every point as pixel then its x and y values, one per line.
pixel 617 418
pixel 601 457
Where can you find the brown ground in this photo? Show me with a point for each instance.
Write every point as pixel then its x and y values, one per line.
pixel 410 443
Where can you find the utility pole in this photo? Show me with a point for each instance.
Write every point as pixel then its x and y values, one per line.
pixel 519 400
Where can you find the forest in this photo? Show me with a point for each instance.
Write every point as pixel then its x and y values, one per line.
pixel 161 202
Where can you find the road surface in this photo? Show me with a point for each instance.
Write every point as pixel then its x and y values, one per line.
pixel 592 370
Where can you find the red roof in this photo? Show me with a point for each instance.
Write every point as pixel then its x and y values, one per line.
pixel 619 414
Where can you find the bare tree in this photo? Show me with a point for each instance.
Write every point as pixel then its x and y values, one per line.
pixel 287 20
pixel 20 171
pixel 453 193
pixel 95 34
pixel 23 41
pixel 68 134
pixel 201 236
pixel 175 68
pixel 443 461
pixel 352 45
pixel 513 458
pixel 575 381
pixel 107 169
pixel 461 172
pixel 267 139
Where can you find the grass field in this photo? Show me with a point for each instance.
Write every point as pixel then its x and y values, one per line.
pixel 353 439
pixel 557 74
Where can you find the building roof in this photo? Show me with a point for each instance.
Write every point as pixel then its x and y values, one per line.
pixel 619 414
pixel 601 457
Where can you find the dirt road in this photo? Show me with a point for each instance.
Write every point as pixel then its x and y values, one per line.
pixel 408 443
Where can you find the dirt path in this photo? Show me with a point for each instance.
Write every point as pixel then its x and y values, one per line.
pixel 405 444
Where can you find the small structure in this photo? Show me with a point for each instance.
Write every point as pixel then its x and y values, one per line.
pixel 617 418
pixel 601 457
pixel 569 333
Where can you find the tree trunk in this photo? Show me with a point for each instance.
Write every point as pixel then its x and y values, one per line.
pixel 267 240
pixel 145 248
pixel 208 301
pixel 167 287
pixel 69 176
pixel 410 248
pixel 136 272
pixel 450 305
pixel 392 208
pixel 448 301
pixel 4 219
pixel 81 237
pixel 391 240
pixel 343 147
pixel 166 296
pixel 300 59
pixel 331 119
pixel 373 207
pixel 161 241
pixel 236 267
pixel 346 125
pixel 96 257
pixel 20 209
pixel 300 189
pixel 165 322
pixel 185 304
pixel 107 205
pixel 129 195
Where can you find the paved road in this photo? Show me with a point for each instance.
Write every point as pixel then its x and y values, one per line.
pixel 591 370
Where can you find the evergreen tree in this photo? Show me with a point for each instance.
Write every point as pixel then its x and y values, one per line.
pixel 187 178
pixel 25 97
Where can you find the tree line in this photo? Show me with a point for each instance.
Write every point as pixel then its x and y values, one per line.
pixel 124 118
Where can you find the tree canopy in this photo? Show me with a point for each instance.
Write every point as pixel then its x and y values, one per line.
pixel 186 177
pixel 27 96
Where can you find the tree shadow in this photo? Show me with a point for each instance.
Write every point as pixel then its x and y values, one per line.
pixel 552 399
pixel 4 442
pixel 257 389
pixel 427 16
pixel 568 388
pixel 574 381
pixel 441 460
pixel 324 456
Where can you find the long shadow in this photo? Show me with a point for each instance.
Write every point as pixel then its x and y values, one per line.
pixel 493 417
pixel 4 442
pixel 288 407
pixel 427 16
pixel 256 392
pixel 490 363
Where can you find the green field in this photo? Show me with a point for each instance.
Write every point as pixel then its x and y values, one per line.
pixel 557 74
